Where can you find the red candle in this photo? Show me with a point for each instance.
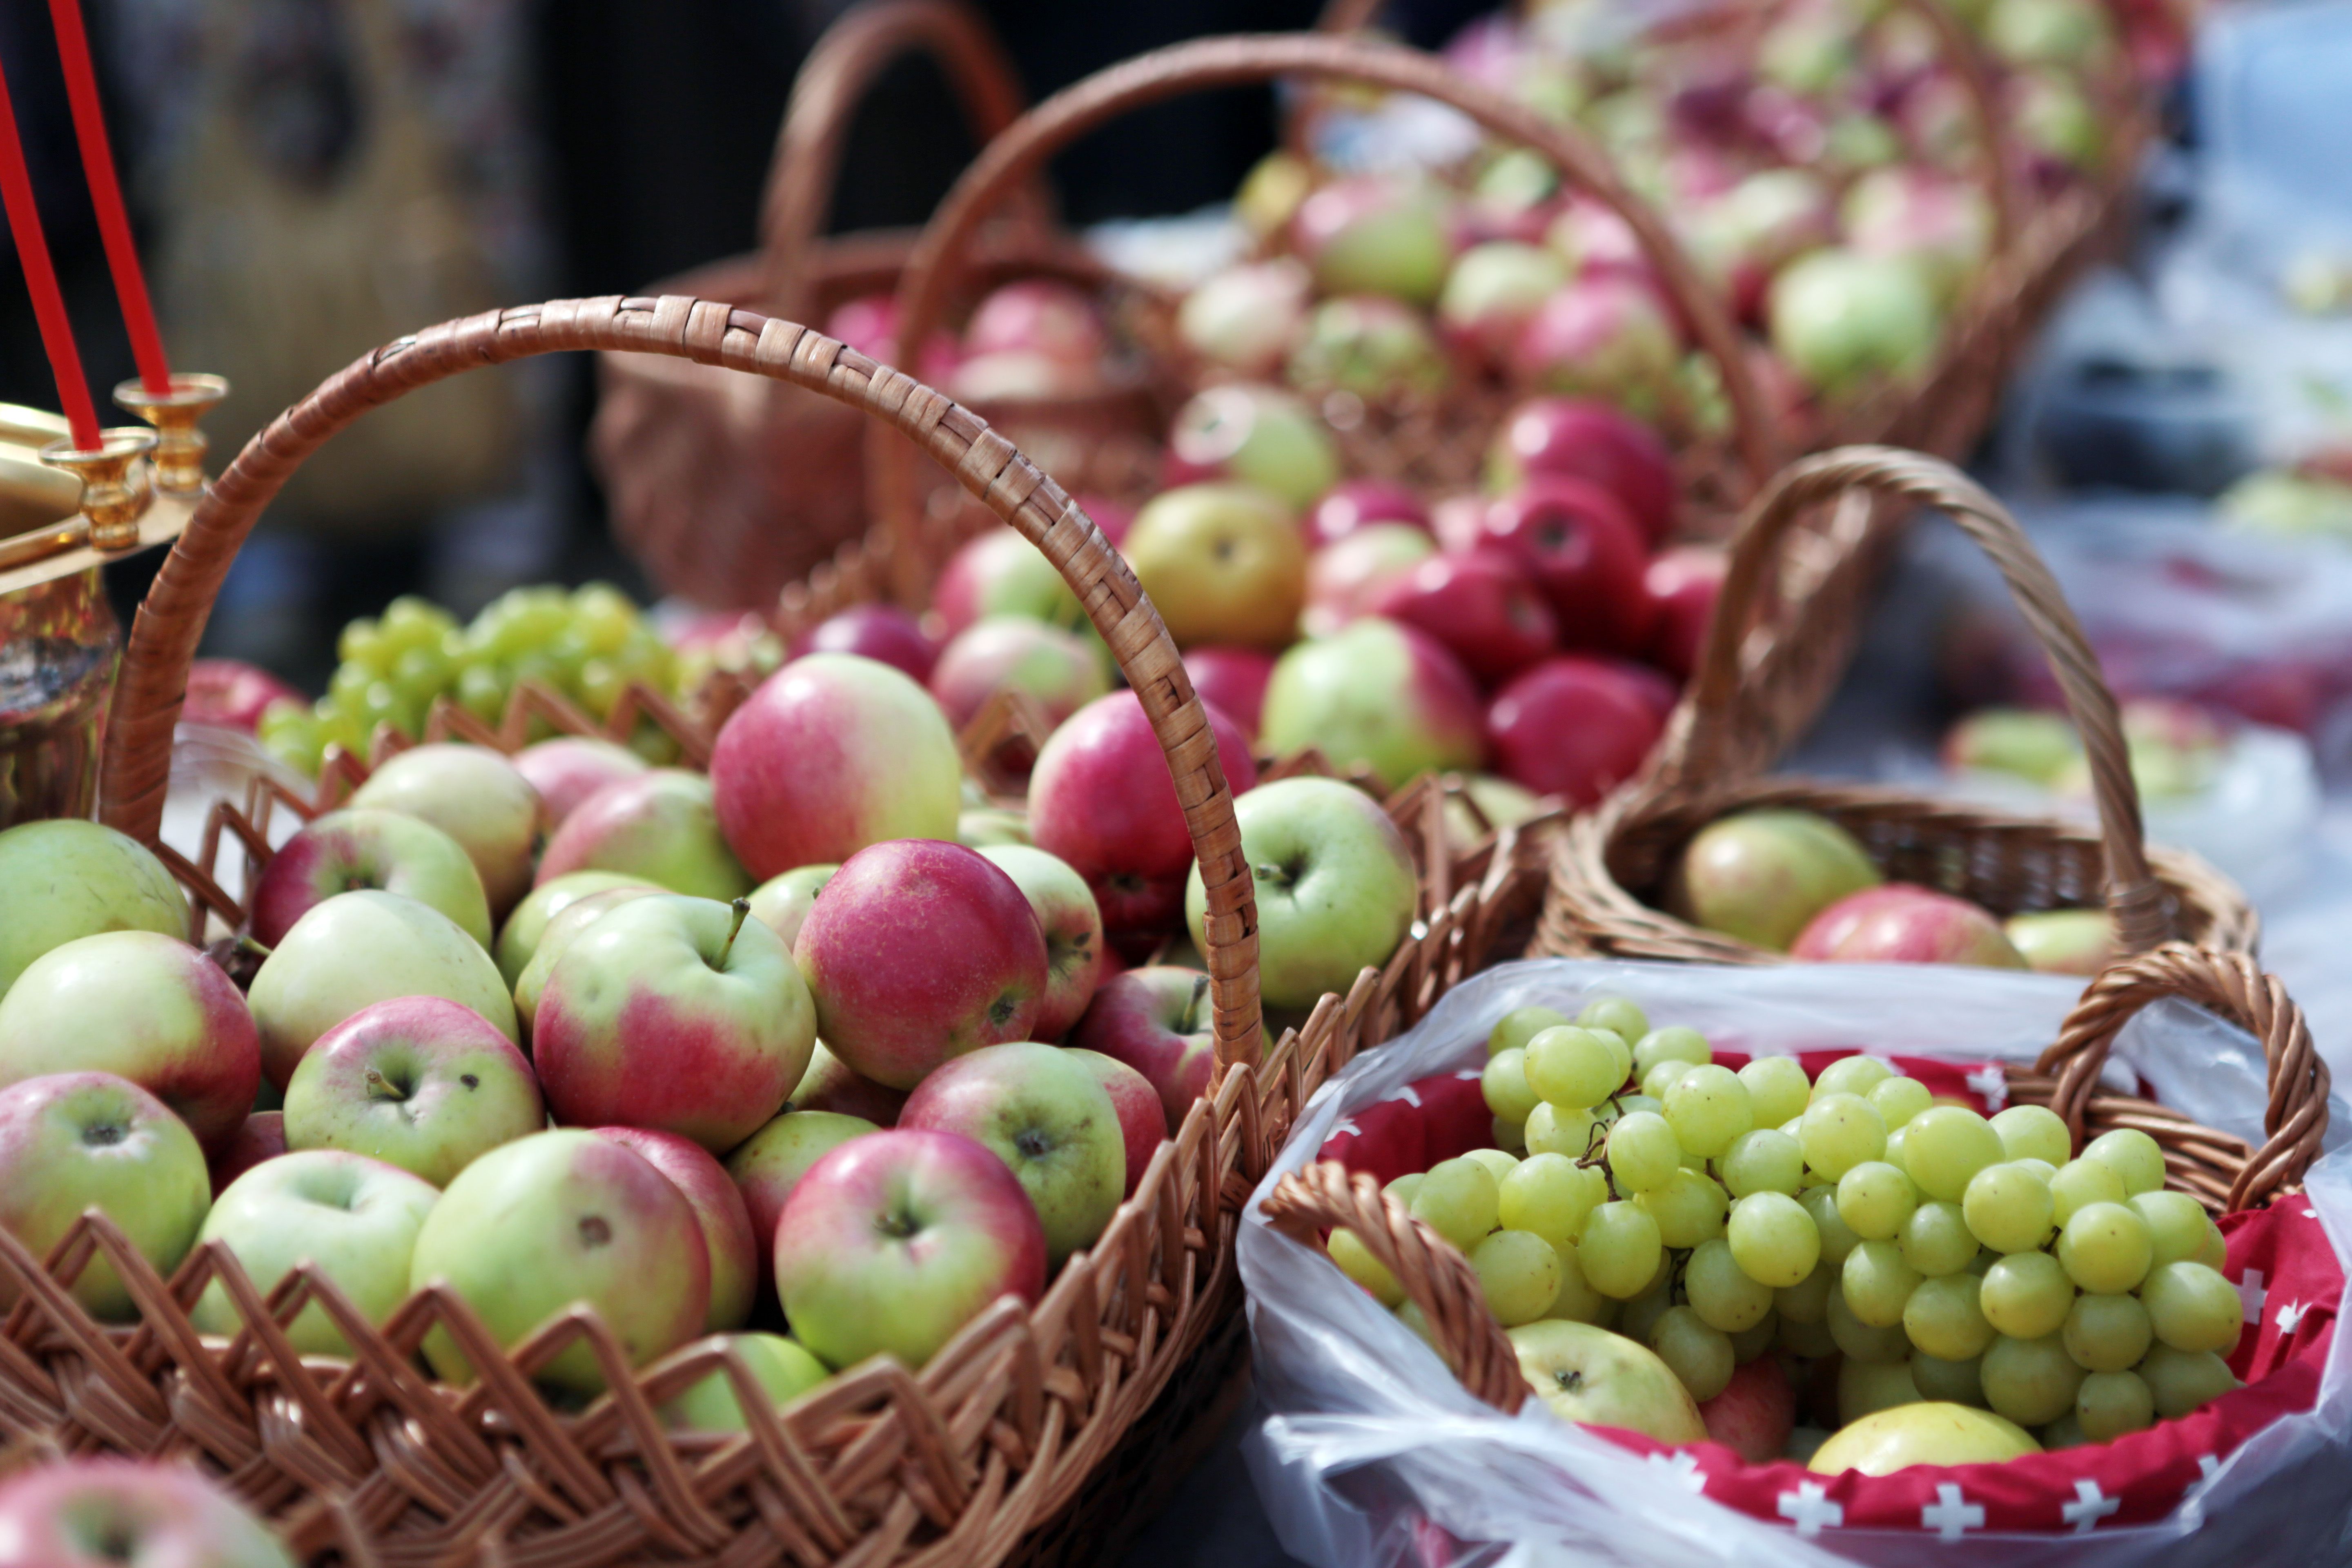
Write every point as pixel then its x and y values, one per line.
pixel 41 278
pixel 106 196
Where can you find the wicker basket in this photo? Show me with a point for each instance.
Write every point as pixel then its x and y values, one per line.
pixel 1612 867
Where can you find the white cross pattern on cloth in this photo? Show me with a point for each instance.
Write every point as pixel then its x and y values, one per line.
pixel 1991 1083
pixel 2208 1466
pixel 1810 1509
pixel 2289 1317
pixel 1346 1127
pixel 2251 1295
pixel 1471 1075
pixel 2089 1507
pixel 1409 1094
pixel 1951 1515
pixel 1682 1467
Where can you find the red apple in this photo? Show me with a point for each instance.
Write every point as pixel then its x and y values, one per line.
pixel 718 1210
pixel 1582 552
pixel 1156 1020
pixel 1573 726
pixel 416 1082
pixel 1048 1117
pixel 829 1084
pixel 1901 923
pixel 1068 914
pixel 661 824
pixel 1352 504
pixel 869 324
pixel 1052 320
pixel 1230 680
pixel 1142 1125
pixel 1594 238
pixel 109 1513
pixel 1114 518
pixel 1012 653
pixel 1606 334
pixel 261 1136
pixel 357 847
pixel 231 693
pixel 1753 1415
pixel 1941 223
pixel 884 632
pixel 1582 438
pixel 996 573
pixel 569 769
pixel 1682 585
pixel 1481 606
pixel 1345 575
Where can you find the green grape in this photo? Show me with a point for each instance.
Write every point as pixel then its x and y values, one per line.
pixel 1413 1318
pixel 1937 1241
pixel 1721 1291
pixel 1689 1209
pixel 1897 1100
pixel 1867 1387
pixel 1839 1131
pixel 2034 1133
pixel 1854 1075
pixel 2104 1249
pixel 1808 1339
pixel 567 650
pixel 421 673
pixel 1572 1067
pixel 2131 1155
pixel 1643 1151
pixel 1763 1161
pixel 2041 1168
pixel 2107 1334
pixel 1838 1238
pixel 600 687
pixel 1661 1077
pixel 2026 1295
pixel 1709 1108
pixel 1861 1341
pixel 1776 1089
pixel 2110 1403
pixel 350 682
pixel 2192 1308
pixel 1945 1146
pixel 1808 1300
pixel 1403 1188
pixel 1629 1103
pixel 1505 1085
pixel 1953 1382
pixel 2081 1182
pixel 379 704
pixel 603 615
pixel 362 643
pixel 1550 1130
pixel 2008 1208
pixel 1773 1238
pixel 1365 1270
pixel 647 658
pixel 1877 1283
pixel 1458 1199
pixel 1893 1155
pixel 1499 1163
pixel 533 665
pixel 340 725
pixel 1875 1198
pixel 1521 1024
pixel 1616 1015
pixel 2183 1380
pixel 2176 1225
pixel 1577 1300
pixel 1642 1311
pixel 2217 1247
pixel 2063 1433
pixel 1511 1135
pixel 1620 1252
pixel 1695 1352
pixel 1750 1342
pixel 1672 1044
pixel 1520 1274
pixel 2031 1382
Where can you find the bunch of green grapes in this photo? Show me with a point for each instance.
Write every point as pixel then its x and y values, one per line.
pixel 587 643
pixel 1715 1216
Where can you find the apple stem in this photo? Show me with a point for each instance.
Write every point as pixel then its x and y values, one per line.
pixel 246 943
pixel 742 907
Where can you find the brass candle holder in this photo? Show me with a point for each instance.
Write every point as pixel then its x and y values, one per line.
pixel 115 491
pixel 179 445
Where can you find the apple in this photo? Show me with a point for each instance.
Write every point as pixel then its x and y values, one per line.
pixel 766 1167
pixel 869 324
pixel 576 916
pixel 1257 435
pixel 1048 1117
pixel 1269 194
pixel 2056 120
pixel 1246 317
pixel 477 797
pixel 1583 438
pixel 660 826
pixel 893 1242
pixel 1157 1020
pixel 1374 237
pixel 1575 727
pixel 1584 553
pixel 1901 923
pixel 1371 345
pixel 1378 693
pixel 883 632
pixel 782 904
pixel 1843 319
pixel 361 948
pixel 361 848
pixel 1501 802
pixel 1353 504
pixel 2032 744
pixel 1755 1413
pixel 2064 942
pixel 77 1141
pixel 1230 681
pixel 833 753
pixel 830 1085
pixel 1605 334
pixel 568 769
pixel 1933 1433
pixel 1682 585
pixel 1494 292
pixel 735 1253
pixel 1039 316
pixel 998 573
pixel 1073 928
pixel 784 1369
pixel 1595 238
pixel 982 826
pixel 1762 876
pixel 560 1219
pixel 1866 1388
pixel 146 1007
pixel 920 951
pixel 1100 799
pixel 260 1136
pixel 676 1014
pixel 527 927
pixel 1589 1374
pixel 1222 564
pixel 104 1513
pixel 64 878
pixel 1345 576
pixel 232 693
pixel 1483 607
pixel 1011 653
pixel 2072 33
pixel 1940 223
pixel 1336 887
pixel 417 1082
pixel 1743 235
pixel 352 1218
pixel 1142 1124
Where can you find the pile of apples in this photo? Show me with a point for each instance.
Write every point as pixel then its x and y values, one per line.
pixel 1696 1252
pixel 2176 748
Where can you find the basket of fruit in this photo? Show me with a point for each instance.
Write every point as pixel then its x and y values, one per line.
pixel 1872 1272
pixel 1704 858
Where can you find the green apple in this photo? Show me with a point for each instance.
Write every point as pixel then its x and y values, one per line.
pixel 418 1082
pixel 474 797
pixel 1590 1374
pixel 66 878
pixel 2065 941
pixel 1762 876
pixel 520 937
pixel 782 904
pixel 1843 319
pixel 1224 564
pixel 563 930
pixel 659 826
pixel 2026 741
pixel 1377 692
pixel 1048 1117
pixel 1925 1433
pixel 767 1165
pixel 1073 925
pixel 784 1369
pixel 1257 435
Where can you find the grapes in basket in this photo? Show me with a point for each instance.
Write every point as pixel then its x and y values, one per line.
pixel 1845 1269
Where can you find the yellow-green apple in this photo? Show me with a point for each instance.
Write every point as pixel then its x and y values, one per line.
pixel 1934 1432
pixel 1157 1020
pixel 1379 693
pixel 2048 32
pixel 352 1218
pixel 1582 550
pixel 260 1136
pixel 568 769
pixel 105 1513
pixel 1483 607
pixel 1741 236
pixel 2064 942
pixel 361 948
pixel 1494 292
pixel 883 632
pixel 1142 1124
pixel 1370 235
pixel 766 1167
pixel 145 1007
pixel 1762 876
pixel 2026 741
pixel 998 573
pixel 477 797
pixel 1336 887
pixel 1500 804
pixel 64 878
pixel 1603 334
pixel 1231 680
pixel 1370 345
pixel 1682 585
pixel 659 826
pixel 982 826
pixel 1048 1117
pixel 1940 224
pixel 415 1081
pixel 560 1219
pixel 830 1085
pixel 1256 436
pixel 833 753
pixel 677 1014
pixel 1073 926
pixel 79 1140
pixel 520 937
pixel 1246 317
pixel 361 847
pixel 1011 653
pixel 920 951
pixel 1902 922
pixel 735 1265
pixel 1843 319
pixel 1598 443
pixel 576 916
pixel 1353 504
pixel 1345 575
pixel 1222 564
pixel 1754 1414
pixel 1101 800
pixel 893 1242
pixel 782 903
pixel 783 1369
pixel 2056 121
pixel 1589 1374
pixel 1575 726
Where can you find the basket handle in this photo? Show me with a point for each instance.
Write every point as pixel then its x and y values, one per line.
pixel 1725 730
pixel 1322 1198
pixel 2233 986
pixel 135 769
pixel 834 81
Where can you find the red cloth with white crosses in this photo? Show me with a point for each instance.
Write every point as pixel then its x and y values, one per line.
pixel 2279 1258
